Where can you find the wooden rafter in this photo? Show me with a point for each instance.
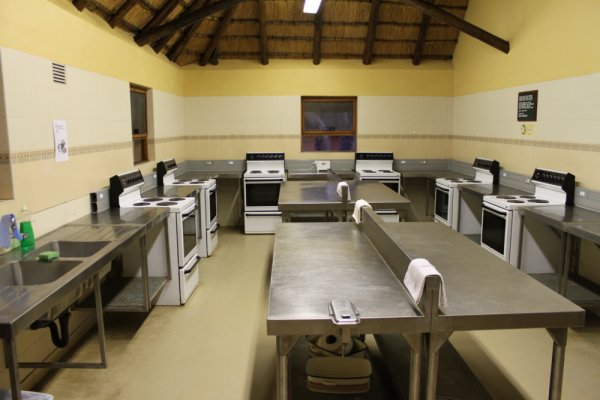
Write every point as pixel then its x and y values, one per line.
pixel 162 14
pixel 187 35
pixel 316 54
pixel 183 21
pixel 80 4
pixel 211 49
pixel 373 18
pixel 420 46
pixel 262 18
pixel 461 24
pixel 121 12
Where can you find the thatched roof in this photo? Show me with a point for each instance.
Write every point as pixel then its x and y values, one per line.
pixel 204 31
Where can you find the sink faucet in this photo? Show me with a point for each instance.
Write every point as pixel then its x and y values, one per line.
pixel 8 231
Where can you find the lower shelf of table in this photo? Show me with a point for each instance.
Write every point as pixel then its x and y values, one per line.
pixel 578 294
pixel 126 294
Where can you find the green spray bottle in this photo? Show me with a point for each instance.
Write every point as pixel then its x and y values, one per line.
pixel 28 241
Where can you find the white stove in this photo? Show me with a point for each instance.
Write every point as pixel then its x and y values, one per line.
pixel 265 172
pixel 503 233
pixel 206 198
pixel 447 195
pixel 378 167
pixel 176 248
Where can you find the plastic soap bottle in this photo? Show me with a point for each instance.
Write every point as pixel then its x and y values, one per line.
pixel 28 241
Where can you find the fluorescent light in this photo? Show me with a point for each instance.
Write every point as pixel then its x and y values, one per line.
pixel 311 6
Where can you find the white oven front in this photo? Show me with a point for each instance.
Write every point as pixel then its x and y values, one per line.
pixel 392 183
pixel 187 232
pixel 443 204
pixel 209 224
pixel 500 232
pixel 261 205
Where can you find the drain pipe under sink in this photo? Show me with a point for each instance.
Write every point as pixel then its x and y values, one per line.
pixel 60 339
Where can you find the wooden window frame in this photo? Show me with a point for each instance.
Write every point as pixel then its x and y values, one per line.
pixel 143 136
pixel 324 140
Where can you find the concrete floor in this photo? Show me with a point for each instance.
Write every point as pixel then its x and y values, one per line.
pixel 216 347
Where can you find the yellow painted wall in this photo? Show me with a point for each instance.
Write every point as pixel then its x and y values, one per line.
pixel 330 78
pixel 549 39
pixel 56 30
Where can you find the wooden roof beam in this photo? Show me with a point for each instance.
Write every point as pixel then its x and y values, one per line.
pixel 121 12
pixel 461 24
pixel 214 43
pixel 420 46
pixel 186 36
pixel 183 21
pixel 262 18
pixel 373 18
pixel 318 35
pixel 162 14
pixel 161 43
pixel 81 4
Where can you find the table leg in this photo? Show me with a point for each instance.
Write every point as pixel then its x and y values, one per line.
pixel 563 276
pixel 416 344
pixel 100 321
pixel 436 341
pixel 284 345
pixel 559 337
pixel 10 357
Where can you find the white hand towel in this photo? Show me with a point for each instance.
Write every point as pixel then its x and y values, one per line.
pixel 414 280
pixel 339 189
pixel 357 214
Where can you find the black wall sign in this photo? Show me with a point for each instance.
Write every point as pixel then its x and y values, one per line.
pixel 527 106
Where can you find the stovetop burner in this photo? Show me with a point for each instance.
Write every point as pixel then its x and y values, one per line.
pixel 387 171
pixel 538 201
pixel 166 203
pixel 506 197
pixel 176 199
pixel 527 196
pixel 368 171
pixel 152 199
pixel 273 171
pixel 515 201
pixel 473 181
pixel 255 171
pixel 181 180
pixel 141 204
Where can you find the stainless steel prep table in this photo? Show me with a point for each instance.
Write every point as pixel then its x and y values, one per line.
pixel 485 292
pixel 307 274
pixel 564 219
pixel 321 196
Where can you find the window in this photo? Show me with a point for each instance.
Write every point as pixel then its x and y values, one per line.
pixel 328 123
pixel 139 123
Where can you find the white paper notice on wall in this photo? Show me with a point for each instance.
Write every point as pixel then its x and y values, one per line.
pixel 61 140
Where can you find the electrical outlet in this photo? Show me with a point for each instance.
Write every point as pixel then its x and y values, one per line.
pixel 504 174
pixel 230 162
pixel 207 162
pixel 582 193
pixel 424 162
pixel 100 195
pixel 402 161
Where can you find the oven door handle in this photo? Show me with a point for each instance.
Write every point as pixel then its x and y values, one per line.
pixel 266 180
pixel 193 267
pixel 216 228
pixel 494 212
pixel 263 214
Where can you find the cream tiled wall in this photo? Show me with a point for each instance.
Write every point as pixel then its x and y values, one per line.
pixel 564 137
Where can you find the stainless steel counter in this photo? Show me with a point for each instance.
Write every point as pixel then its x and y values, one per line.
pixel 560 217
pixel 485 190
pixel 432 174
pixel 205 174
pixel 321 196
pixel 23 304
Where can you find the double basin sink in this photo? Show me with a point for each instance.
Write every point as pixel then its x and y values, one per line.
pixel 32 271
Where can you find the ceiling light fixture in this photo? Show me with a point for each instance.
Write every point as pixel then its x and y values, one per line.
pixel 311 6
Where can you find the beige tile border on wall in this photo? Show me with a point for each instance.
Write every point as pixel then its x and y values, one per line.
pixel 29 156
pixel 588 147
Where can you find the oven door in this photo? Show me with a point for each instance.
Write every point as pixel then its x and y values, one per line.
pixel 261 195
pixel 443 204
pixel 496 226
pixel 187 235
pixel 211 203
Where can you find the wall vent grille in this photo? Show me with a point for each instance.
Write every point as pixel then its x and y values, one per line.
pixel 59 74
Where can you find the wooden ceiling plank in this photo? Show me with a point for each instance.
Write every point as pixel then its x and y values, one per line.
pixel 214 43
pixel 461 24
pixel 373 17
pixel 262 18
pixel 183 21
pixel 316 53
pixel 121 12
pixel 425 21
pixel 80 4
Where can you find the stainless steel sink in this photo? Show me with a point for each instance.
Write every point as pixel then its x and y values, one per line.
pixel 72 248
pixel 23 273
